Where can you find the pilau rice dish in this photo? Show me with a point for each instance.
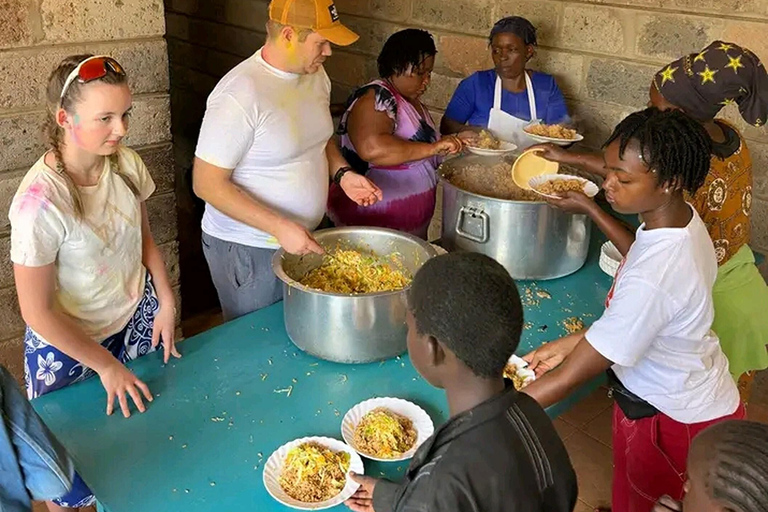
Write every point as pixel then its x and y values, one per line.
pixel 486 140
pixel 559 187
pixel 351 272
pixel 384 434
pixel 553 131
pixel 510 372
pixel 495 181
pixel 313 473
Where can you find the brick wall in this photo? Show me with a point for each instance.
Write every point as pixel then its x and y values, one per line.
pixel 34 37
pixel 603 53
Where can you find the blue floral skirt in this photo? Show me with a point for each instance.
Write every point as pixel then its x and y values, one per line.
pixel 47 369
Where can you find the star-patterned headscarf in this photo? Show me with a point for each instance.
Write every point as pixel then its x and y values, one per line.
pixel 722 73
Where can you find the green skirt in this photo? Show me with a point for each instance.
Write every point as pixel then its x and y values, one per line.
pixel 740 296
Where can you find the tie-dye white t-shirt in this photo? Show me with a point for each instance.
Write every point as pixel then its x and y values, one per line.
pixel 99 271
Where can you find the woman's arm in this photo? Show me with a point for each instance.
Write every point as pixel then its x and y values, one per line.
pixel 448 126
pixel 371 132
pixel 576 202
pixel 591 162
pixel 35 287
pixel 581 365
pixel 165 319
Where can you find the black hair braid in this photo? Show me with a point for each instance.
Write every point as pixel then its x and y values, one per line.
pixel 403 50
pixel 671 143
pixel 737 471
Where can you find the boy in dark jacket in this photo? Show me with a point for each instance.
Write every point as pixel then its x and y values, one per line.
pixel 499 451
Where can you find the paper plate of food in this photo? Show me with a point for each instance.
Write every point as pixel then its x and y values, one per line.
pixel 488 145
pixel 518 372
pixel 555 185
pixel 312 473
pixel 386 429
pixel 552 133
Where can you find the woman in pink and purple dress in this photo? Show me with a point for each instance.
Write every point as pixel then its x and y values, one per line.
pixel 388 135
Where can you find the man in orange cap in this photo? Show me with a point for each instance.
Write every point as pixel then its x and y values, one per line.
pixel 265 155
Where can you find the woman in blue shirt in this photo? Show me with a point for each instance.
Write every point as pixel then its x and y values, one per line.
pixel 508 97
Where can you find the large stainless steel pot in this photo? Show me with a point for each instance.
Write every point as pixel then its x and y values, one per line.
pixel 530 239
pixel 349 328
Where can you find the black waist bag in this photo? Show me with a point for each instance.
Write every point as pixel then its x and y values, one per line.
pixel 633 407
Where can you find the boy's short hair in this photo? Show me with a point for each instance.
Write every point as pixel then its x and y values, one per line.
pixel 469 303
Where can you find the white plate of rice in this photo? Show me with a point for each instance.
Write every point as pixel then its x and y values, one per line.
pixel 518 372
pixel 275 465
pixel 551 180
pixel 420 423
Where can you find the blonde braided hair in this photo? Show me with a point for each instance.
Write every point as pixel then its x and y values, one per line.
pixel 55 133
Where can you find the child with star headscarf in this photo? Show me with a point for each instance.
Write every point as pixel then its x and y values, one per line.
pixel 701 84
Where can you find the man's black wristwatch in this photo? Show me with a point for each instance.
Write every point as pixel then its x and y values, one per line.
pixel 340 174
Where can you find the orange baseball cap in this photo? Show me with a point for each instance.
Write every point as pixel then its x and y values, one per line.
pixel 318 15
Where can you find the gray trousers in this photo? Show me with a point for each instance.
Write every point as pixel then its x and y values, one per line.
pixel 242 276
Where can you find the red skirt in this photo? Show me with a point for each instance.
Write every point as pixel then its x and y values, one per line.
pixel 650 456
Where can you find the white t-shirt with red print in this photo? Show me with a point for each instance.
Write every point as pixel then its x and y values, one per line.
pixel 656 328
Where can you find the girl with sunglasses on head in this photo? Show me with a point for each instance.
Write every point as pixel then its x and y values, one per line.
pixel 91 282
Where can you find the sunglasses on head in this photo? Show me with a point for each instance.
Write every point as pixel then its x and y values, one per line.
pixel 92 68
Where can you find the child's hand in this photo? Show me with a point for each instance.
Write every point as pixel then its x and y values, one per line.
pixel 164 327
pixel 119 380
pixel 667 504
pixel 549 356
pixel 573 202
pixel 362 500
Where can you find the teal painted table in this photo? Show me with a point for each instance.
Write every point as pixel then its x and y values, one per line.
pixel 242 390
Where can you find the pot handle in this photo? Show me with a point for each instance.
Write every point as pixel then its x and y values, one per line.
pixel 475 213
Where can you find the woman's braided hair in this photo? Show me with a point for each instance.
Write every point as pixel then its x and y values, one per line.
pixel 55 133
pixel 736 458
pixel 673 145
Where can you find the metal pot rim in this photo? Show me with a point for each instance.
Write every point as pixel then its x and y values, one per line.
pixel 277 266
pixel 447 182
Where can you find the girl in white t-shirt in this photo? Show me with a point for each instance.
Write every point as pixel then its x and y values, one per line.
pixel 668 374
pixel 92 285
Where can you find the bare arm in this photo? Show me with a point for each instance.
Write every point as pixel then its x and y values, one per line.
pixel 581 365
pixel 449 126
pixel 616 232
pixel 213 185
pixel 35 287
pixel 371 132
pixel 165 319
pixel 576 202
pixel 590 162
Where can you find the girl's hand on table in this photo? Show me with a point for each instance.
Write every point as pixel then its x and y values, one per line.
pixel 549 356
pixel 667 504
pixel 573 202
pixel 119 380
pixel 164 328
pixel 362 500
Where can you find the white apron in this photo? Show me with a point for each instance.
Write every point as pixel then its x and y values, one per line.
pixel 508 127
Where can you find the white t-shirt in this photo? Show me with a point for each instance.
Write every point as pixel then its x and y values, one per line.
pixel 657 325
pixel 99 271
pixel 271 128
